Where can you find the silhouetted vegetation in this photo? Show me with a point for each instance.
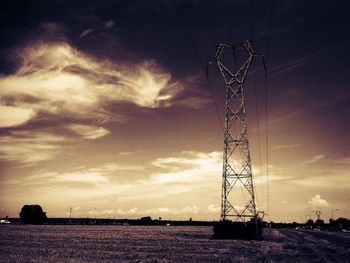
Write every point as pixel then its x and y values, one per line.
pixel 340 223
pixel 146 220
pixel 310 223
pixel 32 214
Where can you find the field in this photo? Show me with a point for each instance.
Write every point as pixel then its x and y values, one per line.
pixel 68 243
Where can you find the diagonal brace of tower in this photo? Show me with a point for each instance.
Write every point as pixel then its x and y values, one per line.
pixel 237 169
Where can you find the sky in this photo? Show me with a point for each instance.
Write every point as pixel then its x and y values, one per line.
pixel 105 107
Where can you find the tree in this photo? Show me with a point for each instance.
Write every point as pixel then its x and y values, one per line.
pixel 147 220
pixel 310 223
pixel 32 214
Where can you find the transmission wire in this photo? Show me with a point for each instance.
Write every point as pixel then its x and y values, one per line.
pixel 199 59
pixel 252 20
pixel 228 16
pixel 256 103
pixel 266 102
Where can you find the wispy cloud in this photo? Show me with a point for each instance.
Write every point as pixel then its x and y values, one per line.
pixel 59 87
pixel 172 211
pixel 107 25
pixel 94 212
pixel 88 131
pixel 86 32
pixel 329 174
pixel 299 62
pixel 286 146
pixel 276 173
pixel 313 160
pixel 343 161
pixel 13 116
pixel 30 147
pixel 189 167
pixel 81 177
pixel 213 209
pixel 150 182
pixel 116 167
pixel 57 79
pixel 160 211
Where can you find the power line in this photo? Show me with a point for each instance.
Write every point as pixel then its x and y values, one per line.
pixel 256 101
pixel 229 19
pixel 266 101
pixel 228 15
pixel 199 60
pixel 258 129
pixel 252 20
pixel 212 32
pixel 269 34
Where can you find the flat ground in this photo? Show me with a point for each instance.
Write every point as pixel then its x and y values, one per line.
pixel 59 243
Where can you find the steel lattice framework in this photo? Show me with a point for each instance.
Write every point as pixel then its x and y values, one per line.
pixel 237 171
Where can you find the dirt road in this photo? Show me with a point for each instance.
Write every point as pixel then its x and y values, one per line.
pixel 291 245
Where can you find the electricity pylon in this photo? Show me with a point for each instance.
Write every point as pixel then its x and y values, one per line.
pixel 237 200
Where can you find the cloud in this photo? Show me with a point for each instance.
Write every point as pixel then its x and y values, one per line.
pixel 57 86
pixel 197 179
pixel 86 32
pixel 88 132
pixel 101 176
pixel 190 167
pixel 95 212
pixel 109 24
pixel 30 147
pixel 328 174
pixel 126 153
pixel 106 212
pixel 82 177
pixel 59 80
pixel 147 181
pixel 314 159
pixel 190 210
pixel 160 211
pixel 299 62
pixel 343 161
pixel 286 146
pixel 130 211
pixel 33 146
pixel 13 116
pixel 213 209
pixel 276 173
pixel 193 102
pixel 318 201
pixel 97 175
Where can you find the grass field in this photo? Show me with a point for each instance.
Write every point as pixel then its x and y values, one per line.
pixel 69 243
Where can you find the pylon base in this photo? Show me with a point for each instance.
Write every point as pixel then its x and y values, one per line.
pixel 251 230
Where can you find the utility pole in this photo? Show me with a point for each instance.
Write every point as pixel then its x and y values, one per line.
pixel 333 210
pixel 237 199
pixel 318 214
pixel 70 215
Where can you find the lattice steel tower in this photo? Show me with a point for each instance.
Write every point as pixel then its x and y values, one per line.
pixel 237 200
